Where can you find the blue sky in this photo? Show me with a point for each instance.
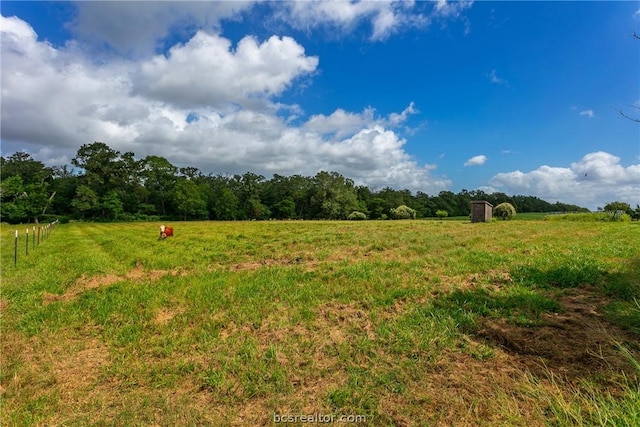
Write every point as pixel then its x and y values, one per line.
pixel 519 97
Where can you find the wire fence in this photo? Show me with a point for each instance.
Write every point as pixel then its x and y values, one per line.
pixel 38 233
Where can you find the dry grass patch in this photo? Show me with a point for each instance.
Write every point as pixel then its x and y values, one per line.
pixel 138 275
pixel 67 373
pixel 165 315
pixel 460 390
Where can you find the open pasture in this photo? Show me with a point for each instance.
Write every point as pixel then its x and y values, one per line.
pixel 402 322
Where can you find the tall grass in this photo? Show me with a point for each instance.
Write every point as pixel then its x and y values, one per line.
pixel 588 403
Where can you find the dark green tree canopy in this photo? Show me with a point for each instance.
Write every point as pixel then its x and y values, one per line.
pixel 107 185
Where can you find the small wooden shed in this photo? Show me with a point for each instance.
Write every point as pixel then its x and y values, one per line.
pixel 481 211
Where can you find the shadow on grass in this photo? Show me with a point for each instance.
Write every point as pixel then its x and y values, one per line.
pixel 620 288
pixel 568 318
pixel 519 305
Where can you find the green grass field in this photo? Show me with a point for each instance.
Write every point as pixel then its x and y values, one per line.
pixel 392 323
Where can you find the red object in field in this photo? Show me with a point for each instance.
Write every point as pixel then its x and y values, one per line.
pixel 165 232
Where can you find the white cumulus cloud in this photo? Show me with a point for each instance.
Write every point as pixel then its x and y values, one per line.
pixel 588 113
pixel 385 17
pixel 476 160
pixel 54 99
pixel 207 71
pixel 592 181
pixel 140 28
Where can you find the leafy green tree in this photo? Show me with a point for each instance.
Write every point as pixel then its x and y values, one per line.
pixel 300 189
pixel 284 209
pixel 112 205
pixel 378 207
pixel 25 184
pixel 100 165
pixel 248 190
pixel 424 205
pixel 129 182
pixel 222 203
pixel 257 210
pixel 23 165
pixel 333 196
pixel 191 173
pixel 280 192
pixel 188 200
pixel 64 184
pixel 504 210
pixel 446 200
pixel 441 213
pixel 86 201
pixel 160 178
pixel 618 206
pixel 388 198
pixel 13 200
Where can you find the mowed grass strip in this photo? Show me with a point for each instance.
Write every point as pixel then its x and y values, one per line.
pixel 406 322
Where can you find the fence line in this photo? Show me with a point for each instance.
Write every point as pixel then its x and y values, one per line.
pixel 43 233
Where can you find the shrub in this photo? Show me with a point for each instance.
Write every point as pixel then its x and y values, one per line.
pixel 403 212
pixel 442 213
pixel 356 216
pixel 505 211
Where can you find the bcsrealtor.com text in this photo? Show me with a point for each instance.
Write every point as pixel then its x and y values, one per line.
pixel 318 418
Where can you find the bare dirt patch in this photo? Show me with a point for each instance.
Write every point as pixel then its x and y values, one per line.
pixel 164 315
pixel 336 319
pixel 573 343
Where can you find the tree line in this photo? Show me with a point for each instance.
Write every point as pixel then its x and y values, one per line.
pixel 112 186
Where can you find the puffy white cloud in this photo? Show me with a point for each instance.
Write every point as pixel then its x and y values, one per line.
pixel 476 160
pixel 593 181
pixel 52 96
pixel 342 123
pixel 588 113
pixel 339 14
pixel 396 119
pixel 386 17
pixel 139 28
pixel 206 71
pixel 56 99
